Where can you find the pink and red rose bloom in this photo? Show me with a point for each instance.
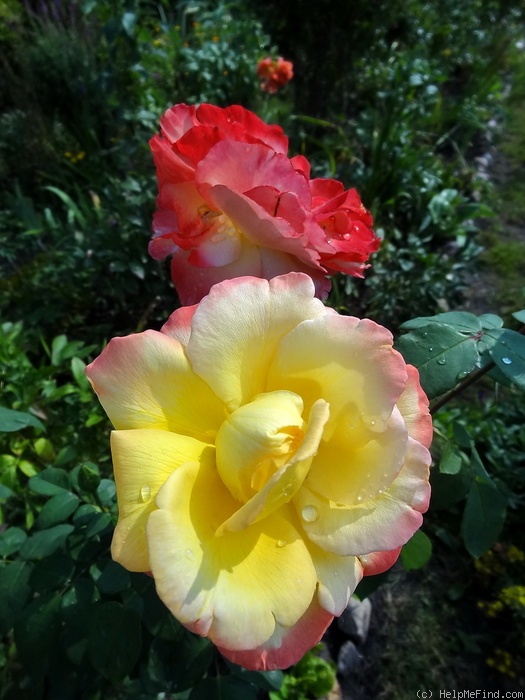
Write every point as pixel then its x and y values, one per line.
pixel 232 203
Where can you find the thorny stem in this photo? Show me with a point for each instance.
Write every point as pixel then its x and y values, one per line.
pixel 472 377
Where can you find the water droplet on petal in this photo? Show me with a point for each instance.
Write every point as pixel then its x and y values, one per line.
pixel 359 499
pixel 282 543
pixel 441 361
pixel 190 555
pixel 145 493
pixel 310 514
pixel 287 491
pixel 506 360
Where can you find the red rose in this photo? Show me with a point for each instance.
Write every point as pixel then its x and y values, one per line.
pixel 231 203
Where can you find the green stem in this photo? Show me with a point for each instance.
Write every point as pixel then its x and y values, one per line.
pixel 472 377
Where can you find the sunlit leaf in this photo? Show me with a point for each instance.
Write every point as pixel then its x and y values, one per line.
pixel 509 355
pixel 442 354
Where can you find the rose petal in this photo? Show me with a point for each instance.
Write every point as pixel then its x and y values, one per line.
pixel 237 327
pixel 380 524
pixel 413 404
pixel 142 461
pixel 287 645
pixel 379 562
pixel 348 362
pixel 178 325
pixel 146 381
pixel 231 587
pixel 282 486
pixel 357 464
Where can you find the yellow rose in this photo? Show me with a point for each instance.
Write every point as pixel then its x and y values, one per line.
pixel 267 452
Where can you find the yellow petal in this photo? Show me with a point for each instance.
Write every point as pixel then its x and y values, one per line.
pixel 237 327
pixel 350 363
pixel 381 524
pixel 256 439
pixel 338 578
pixel 282 486
pixel 234 588
pixel 146 381
pixel 142 461
pixel 357 464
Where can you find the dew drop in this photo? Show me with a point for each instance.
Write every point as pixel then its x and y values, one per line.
pixel 461 376
pixel 189 555
pixel 506 360
pixel 310 514
pixel 145 493
pixel 287 491
pixel 441 361
pixel 425 335
pixel 282 543
pixel 431 349
pixel 359 499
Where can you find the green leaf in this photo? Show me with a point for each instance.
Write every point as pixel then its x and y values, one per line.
pixel 11 540
pixel 57 510
pixel 44 449
pixel 14 592
pixel 462 321
pixel 451 460
pixel 448 489
pixel 442 355
pixel 519 316
pixel 416 552
pixel 490 321
pixel 57 346
pixel 43 544
pixel 114 640
pixel 36 632
pixel 483 517
pixel 49 482
pixel 88 478
pixel 509 356
pixel 11 421
pixel 78 368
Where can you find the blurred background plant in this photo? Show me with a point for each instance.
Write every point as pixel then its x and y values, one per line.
pixel 403 100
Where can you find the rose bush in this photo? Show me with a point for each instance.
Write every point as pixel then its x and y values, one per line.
pixel 231 203
pixel 275 73
pixel 267 453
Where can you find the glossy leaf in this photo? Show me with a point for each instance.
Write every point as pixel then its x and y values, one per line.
pixel 509 355
pixel 443 356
